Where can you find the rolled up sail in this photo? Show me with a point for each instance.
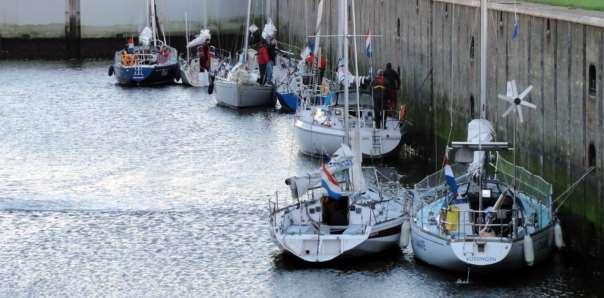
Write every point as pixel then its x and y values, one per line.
pixel 480 131
pixel 203 37
pixel 145 36
pixel 269 30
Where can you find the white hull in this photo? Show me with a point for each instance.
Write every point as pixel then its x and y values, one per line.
pixel 439 252
pixel 378 238
pixel 231 94
pixel 319 140
pixel 190 75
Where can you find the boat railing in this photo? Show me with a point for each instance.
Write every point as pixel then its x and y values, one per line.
pixel 462 224
pixel 523 181
pixel 143 58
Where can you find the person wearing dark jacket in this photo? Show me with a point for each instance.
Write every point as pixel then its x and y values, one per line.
pixel 272 54
pixel 205 57
pixel 379 99
pixel 392 84
pixel 262 58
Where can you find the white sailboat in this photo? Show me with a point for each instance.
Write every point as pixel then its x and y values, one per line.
pixel 240 88
pixel 342 213
pixel 484 213
pixel 320 128
pixel 190 70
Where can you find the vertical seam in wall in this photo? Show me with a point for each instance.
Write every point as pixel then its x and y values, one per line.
pixel 527 142
pixel 569 103
pixel 542 64
pixel 599 135
pixel 555 79
pixel 584 113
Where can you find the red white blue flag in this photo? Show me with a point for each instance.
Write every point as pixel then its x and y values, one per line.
pixel 330 184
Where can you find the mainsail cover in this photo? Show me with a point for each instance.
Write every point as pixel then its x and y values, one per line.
pixel 340 161
pixel 269 30
pixel 480 131
pixel 145 36
pixel 203 37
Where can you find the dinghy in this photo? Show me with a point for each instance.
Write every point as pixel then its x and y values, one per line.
pixel 151 62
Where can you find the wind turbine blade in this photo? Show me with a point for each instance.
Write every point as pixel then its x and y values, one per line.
pixel 528 105
pixel 514 89
pixel 509 90
pixel 508 99
pixel 520 117
pixel 508 111
pixel 526 92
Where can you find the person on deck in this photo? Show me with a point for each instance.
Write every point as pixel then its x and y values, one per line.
pixel 322 67
pixel 262 58
pixel 392 84
pixel 205 57
pixel 130 45
pixel 379 98
pixel 272 54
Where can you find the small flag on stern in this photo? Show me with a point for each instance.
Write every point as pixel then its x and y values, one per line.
pixel 368 46
pixel 330 184
pixel 450 176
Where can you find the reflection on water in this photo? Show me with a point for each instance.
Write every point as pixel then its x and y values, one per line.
pixel 156 191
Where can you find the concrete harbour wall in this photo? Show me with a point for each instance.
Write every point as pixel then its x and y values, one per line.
pixel 93 28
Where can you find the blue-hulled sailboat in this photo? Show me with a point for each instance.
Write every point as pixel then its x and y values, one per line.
pixel 151 62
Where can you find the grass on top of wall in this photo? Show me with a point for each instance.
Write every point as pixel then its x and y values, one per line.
pixel 583 4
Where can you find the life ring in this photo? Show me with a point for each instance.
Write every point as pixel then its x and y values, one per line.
pixel 402 113
pixel 127 59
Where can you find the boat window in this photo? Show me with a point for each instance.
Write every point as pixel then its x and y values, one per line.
pixel 365 99
pixel 398 27
pixel 472 106
pixel 472 48
pixel 592 80
pixel 592 155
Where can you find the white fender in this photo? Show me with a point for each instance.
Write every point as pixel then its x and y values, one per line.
pixel 529 252
pixel 558 236
pixel 405 234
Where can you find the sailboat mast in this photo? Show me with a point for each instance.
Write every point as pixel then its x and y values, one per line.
pixel 318 30
pixel 346 74
pixel 483 57
pixel 483 76
pixel 205 13
pixel 341 9
pixel 187 36
pixel 356 62
pixel 247 31
pixel 153 24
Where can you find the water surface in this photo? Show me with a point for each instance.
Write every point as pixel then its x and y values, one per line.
pixel 111 191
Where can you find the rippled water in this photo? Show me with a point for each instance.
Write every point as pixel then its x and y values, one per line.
pixel 111 191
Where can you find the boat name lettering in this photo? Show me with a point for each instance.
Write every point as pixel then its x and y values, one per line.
pixel 475 259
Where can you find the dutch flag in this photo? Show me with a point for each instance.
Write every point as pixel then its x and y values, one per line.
pixel 450 177
pixel 330 184
pixel 368 46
